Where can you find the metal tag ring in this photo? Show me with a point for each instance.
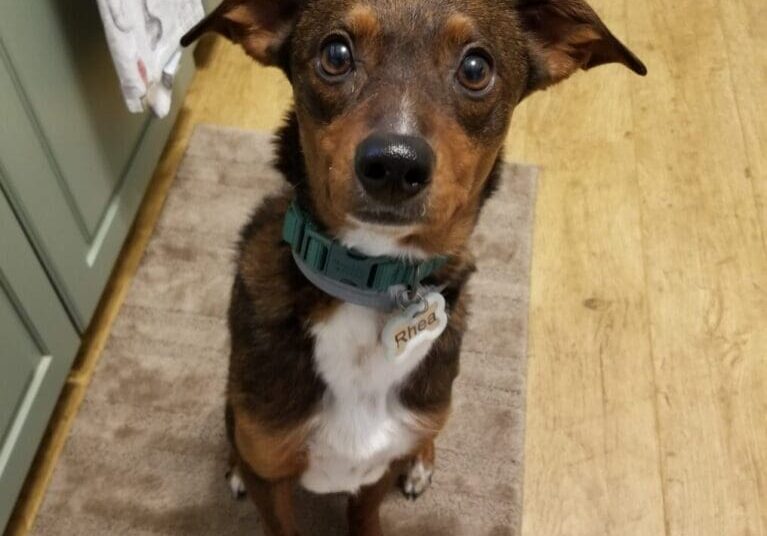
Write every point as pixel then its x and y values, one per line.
pixel 406 298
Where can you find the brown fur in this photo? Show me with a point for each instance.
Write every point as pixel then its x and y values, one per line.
pixel 463 168
pixel 427 454
pixel 406 56
pixel 363 23
pixel 274 500
pixel 330 190
pixel 459 30
pixel 272 454
pixel 363 508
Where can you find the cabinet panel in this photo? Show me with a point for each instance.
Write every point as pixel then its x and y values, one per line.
pixel 37 346
pixel 20 358
pixel 62 63
pixel 75 163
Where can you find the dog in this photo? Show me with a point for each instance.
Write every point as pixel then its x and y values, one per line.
pixel 349 305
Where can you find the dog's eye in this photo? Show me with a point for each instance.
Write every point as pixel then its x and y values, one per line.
pixel 336 58
pixel 475 72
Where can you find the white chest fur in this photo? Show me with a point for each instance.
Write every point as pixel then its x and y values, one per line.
pixel 361 427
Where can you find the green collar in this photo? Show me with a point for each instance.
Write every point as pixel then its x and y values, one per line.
pixel 329 259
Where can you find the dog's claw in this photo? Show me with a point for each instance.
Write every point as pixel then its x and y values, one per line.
pixel 236 484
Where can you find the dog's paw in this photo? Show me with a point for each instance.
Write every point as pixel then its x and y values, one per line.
pixel 416 480
pixel 236 484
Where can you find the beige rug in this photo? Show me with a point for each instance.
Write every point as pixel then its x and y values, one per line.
pixel 147 453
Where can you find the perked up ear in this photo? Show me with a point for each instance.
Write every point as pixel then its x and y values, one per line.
pixel 260 26
pixel 567 35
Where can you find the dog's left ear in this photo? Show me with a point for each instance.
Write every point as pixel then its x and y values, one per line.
pixel 567 35
pixel 260 26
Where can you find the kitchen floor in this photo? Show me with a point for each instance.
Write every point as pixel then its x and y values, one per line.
pixel 648 343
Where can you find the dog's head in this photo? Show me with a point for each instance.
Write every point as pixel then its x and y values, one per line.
pixel 403 106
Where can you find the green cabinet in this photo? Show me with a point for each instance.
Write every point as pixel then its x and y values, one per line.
pixel 74 166
pixel 38 344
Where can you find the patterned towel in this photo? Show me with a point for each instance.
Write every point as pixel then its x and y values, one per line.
pixel 143 36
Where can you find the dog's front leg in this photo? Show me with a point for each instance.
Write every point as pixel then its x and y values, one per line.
pixel 363 513
pixel 274 501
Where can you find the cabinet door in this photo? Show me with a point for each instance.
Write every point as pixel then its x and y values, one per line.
pixel 37 345
pixel 76 162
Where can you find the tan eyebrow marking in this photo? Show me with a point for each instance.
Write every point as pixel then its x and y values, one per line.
pixel 240 15
pixel 362 22
pixel 459 29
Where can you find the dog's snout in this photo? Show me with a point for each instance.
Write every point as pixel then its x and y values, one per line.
pixel 393 167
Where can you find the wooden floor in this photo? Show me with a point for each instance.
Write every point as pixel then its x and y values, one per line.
pixel 647 402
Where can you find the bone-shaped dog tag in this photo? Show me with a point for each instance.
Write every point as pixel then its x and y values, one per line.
pixel 421 322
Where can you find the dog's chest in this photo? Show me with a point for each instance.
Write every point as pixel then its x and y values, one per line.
pixel 361 426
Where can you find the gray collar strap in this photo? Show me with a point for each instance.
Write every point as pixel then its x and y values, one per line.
pixel 382 301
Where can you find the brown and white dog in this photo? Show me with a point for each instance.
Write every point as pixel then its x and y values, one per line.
pixel 401 111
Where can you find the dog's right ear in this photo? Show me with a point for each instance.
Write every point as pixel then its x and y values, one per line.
pixel 567 35
pixel 260 26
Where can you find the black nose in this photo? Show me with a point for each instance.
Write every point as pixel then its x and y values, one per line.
pixel 392 167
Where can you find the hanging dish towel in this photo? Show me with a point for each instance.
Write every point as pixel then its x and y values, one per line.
pixel 143 36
